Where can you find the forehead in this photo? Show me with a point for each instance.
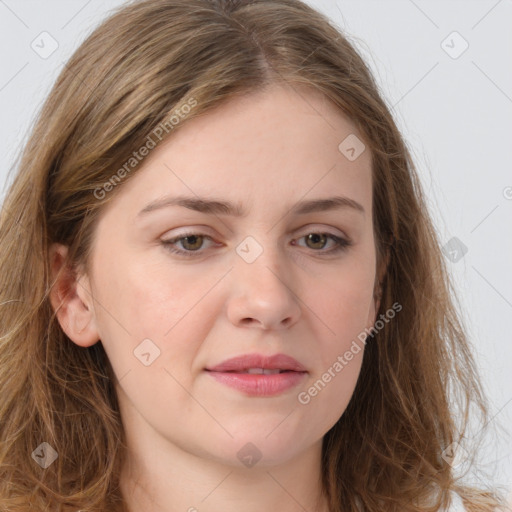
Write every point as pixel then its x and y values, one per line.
pixel 278 117
pixel 283 142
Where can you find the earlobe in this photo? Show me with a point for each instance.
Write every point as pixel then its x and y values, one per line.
pixel 378 298
pixel 377 289
pixel 375 305
pixel 70 298
pixel 381 274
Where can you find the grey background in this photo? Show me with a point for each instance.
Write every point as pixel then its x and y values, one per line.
pixel 454 110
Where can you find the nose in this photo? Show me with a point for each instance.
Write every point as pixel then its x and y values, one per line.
pixel 262 294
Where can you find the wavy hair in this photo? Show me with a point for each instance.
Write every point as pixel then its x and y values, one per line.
pixel 141 65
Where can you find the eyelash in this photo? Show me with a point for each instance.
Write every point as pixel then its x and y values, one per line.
pixel 342 244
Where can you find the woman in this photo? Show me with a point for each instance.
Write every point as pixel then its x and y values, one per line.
pixel 221 287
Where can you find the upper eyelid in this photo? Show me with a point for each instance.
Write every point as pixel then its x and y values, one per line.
pixel 311 229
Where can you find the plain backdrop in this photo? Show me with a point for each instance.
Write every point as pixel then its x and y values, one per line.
pixel 444 67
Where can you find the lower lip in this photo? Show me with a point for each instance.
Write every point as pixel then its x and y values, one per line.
pixel 259 384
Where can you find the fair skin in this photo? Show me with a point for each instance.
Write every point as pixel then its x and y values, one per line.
pixel 265 152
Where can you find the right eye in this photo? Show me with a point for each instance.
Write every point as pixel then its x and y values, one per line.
pixel 194 240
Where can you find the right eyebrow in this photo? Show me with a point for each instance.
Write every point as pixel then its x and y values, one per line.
pixel 219 207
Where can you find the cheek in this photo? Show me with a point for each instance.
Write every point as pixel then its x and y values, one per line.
pixel 141 301
pixel 142 304
pixel 340 349
pixel 328 393
pixel 340 293
pixel 343 310
pixel 325 396
pixel 343 307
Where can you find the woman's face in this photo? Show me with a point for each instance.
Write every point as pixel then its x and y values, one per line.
pixel 254 284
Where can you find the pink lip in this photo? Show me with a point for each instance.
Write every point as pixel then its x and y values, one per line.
pixel 259 384
pixel 279 361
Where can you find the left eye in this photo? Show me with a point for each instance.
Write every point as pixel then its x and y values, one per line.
pixel 321 238
pixel 192 242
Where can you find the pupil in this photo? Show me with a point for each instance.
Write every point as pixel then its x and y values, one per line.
pixel 194 238
pixel 314 237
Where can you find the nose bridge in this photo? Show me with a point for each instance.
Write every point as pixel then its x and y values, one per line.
pixel 262 277
pixel 260 258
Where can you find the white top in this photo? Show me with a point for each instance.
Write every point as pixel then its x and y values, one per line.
pixel 456 505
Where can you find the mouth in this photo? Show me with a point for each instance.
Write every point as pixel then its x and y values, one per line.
pixel 256 371
pixel 259 376
pixel 259 364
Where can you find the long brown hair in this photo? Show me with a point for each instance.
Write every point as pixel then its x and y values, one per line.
pixel 123 87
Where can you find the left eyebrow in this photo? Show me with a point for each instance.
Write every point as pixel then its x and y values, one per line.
pixel 218 207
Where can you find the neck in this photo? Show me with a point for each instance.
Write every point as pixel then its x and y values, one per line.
pixel 159 476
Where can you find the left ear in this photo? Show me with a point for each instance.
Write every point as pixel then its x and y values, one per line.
pixel 379 278
pixel 377 288
pixel 70 298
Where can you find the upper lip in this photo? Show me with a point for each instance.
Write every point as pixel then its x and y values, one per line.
pixel 246 361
